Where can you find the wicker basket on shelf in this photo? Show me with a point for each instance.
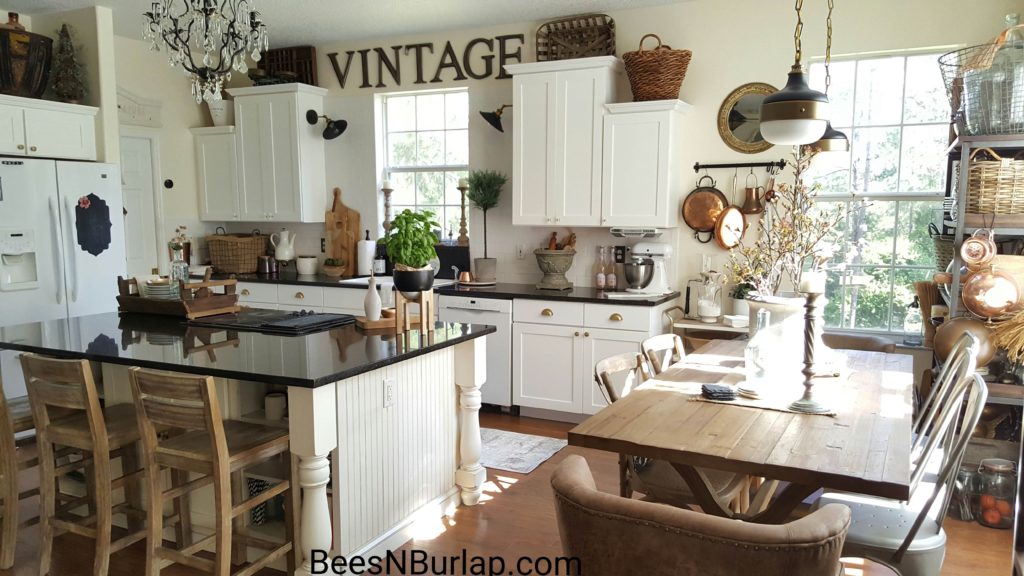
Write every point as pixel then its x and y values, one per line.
pixel 656 74
pixel 580 36
pixel 995 185
pixel 236 253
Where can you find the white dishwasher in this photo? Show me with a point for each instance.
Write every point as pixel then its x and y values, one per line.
pixel 497 389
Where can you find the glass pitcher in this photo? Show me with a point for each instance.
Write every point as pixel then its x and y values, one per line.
pixel 709 296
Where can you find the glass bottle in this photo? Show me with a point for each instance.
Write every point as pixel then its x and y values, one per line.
pixel 913 324
pixel 179 269
pixel 756 354
pixel 600 280
pixel 611 280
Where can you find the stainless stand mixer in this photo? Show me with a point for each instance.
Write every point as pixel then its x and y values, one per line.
pixel 645 272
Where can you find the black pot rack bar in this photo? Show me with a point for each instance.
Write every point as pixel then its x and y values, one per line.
pixel 697 167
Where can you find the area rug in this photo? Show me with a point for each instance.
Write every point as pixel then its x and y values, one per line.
pixel 514 452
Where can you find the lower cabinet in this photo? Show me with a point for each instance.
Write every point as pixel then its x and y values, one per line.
pixel 547 366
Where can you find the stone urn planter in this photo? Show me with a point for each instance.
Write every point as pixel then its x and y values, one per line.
pixel 554 264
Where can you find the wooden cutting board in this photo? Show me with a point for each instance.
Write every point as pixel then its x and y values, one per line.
pixel 342 231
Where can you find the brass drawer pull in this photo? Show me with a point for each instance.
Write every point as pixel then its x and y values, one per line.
pixel 299 295
pixel 575 333
pixel 547 312
pixel 245 291
pixel 586 334
pixel 33 148
pixel 21 146
pixel 616 317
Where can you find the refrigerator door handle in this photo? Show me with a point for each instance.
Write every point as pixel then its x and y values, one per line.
pixel 70 205
pixel 57 260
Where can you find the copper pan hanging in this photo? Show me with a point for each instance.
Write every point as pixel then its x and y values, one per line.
pixel 702 207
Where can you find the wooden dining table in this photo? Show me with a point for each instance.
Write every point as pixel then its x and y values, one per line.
pixel 863 448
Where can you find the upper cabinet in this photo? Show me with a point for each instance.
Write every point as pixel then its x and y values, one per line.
pixel 44 129
pixel 280 157
pixel 643 174
pixel 558 111
pixel 217 173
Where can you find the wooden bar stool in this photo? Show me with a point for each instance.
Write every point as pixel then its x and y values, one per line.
pixel 218 449
pixel 66 412
pixel 15 417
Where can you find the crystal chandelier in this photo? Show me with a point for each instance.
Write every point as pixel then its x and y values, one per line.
pixel 208 38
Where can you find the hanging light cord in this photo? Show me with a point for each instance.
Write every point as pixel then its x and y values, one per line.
pixel 828 46
pixel 797 32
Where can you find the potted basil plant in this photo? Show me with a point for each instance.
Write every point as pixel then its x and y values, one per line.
pixel 410 244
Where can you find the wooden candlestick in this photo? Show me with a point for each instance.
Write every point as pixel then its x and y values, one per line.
pixel 808 403
pixel 463 236
pixel 387 207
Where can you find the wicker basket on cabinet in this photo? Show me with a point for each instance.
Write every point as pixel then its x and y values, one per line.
pixel 236 253
pixel 995 185
pixel 656 74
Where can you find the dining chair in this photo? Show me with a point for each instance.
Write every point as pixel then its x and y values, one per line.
pixel 663 351
pixel 859 342
pixel 66 412
pixel 201 443
pixel 908 536
pixel 658 479
pixel 15 418
pixel 611 535
pixel 961 361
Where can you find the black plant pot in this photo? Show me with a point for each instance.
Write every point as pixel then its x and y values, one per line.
pixel 414 280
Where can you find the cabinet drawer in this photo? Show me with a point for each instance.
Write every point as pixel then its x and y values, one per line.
pixel 303 296
pixel 618 317
pixel 548 312
pixel 347 298
pixel 249 292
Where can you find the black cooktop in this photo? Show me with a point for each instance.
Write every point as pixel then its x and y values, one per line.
pixel 284 323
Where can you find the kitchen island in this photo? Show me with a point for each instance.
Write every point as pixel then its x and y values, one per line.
pixel 389 422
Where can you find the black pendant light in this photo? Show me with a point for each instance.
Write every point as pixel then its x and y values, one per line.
pixel 797 114
pixel 494 118
pixel 333 129
pixel 832 140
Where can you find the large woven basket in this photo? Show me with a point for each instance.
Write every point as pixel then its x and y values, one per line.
pixel 995 185
pixel 656 74
pixel 580 36
pixel 236 253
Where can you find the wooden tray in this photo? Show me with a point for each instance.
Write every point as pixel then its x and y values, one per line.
pixel 198 300
pixel 381 324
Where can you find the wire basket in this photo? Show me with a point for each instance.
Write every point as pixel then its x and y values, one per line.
pixel 576 37
pixel 985 85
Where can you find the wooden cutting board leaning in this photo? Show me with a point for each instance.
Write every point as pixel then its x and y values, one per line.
pixel 341 224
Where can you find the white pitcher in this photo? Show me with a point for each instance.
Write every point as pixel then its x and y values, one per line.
pixel 284 245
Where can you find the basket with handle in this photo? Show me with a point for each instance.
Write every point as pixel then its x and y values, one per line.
pixel 944 246
pixel 995 184
pixel 236 253
pixel 579 36
pixel 656 73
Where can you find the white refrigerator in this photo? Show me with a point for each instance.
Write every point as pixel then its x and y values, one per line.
pixel 61 247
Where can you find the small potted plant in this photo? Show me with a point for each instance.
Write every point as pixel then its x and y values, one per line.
pixel 334 267
pixel 739 298
pixel 484 192
pixel 410 243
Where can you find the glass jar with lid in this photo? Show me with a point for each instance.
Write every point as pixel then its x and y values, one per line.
pixel 996 486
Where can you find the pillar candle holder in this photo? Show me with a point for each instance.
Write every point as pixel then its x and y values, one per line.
pixel 463 235
pixel 387 207
pixel 808 404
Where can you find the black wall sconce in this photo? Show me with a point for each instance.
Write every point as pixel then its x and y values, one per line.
pixel 494 118
pixel 333 129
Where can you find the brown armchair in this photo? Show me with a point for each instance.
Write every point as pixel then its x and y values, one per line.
pixel 612 535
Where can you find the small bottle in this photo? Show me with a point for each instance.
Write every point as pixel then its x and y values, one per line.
pixel 912 324
pixel 611 280
pixel 600 280
pixel 756 355
pixel 371 302
pixel 178 269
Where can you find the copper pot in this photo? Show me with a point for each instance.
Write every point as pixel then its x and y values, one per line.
pixel 752 200
pixel 950 331
pixel 978 250
pixel 990 293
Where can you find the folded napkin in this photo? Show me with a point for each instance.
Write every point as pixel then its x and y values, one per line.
pixel 717 392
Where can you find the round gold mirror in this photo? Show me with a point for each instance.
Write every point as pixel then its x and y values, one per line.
pixel 739 118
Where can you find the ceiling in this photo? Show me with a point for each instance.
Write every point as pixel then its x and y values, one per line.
pixel 316 22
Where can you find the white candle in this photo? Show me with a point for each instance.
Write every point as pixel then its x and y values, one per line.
pixel 812 282
pixel 463 183
pixel 386 184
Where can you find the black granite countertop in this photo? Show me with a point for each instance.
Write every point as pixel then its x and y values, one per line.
pixel 167 343
pixel 290 277
pixel 503 291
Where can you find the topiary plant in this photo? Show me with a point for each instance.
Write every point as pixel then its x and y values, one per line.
pixel 410 240
pixel 484 192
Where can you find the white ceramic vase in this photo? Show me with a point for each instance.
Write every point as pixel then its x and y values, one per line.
pixel 740 307
pixel 221 111
pixel 371 303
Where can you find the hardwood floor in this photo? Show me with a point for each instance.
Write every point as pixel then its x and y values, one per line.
pixel 516 517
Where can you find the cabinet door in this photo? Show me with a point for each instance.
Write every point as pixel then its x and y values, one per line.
pixel 575 192
pixel 281 152
pixel 12 130
pixel 267 158
pixel 250 114
pixel 533 148
pixel 217 173
pixel 546 367
pixel 54 134
pixel 598 344
pixel 635 183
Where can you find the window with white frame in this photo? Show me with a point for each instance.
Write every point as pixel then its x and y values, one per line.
pixel 894 110
pixel 426 144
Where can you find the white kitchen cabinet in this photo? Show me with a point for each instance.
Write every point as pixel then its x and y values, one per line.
pixel 45 129
pixel 546 366
pixel 643 175
pixel 558 138
pixel 217 173
pixel 281 168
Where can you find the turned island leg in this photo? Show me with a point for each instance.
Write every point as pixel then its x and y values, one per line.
pixel 313 433
pixel 470 374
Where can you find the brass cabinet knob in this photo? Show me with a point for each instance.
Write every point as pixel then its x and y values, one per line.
pixel 547 312
pixel 21 146
pixel 586 334
pixel 575 333
pixel 32 148
pixel 616 317
pixel 245 291
pixel 299 295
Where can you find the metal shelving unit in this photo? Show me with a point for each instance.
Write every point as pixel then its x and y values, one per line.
pixel 1002 225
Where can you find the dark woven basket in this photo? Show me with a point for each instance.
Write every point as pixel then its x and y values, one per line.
pixel 580 36
pixel 658 73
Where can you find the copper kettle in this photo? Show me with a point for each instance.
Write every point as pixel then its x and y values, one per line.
pixel 752 200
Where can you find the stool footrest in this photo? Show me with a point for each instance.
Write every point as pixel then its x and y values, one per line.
pixel 265 561
pixel 260 498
